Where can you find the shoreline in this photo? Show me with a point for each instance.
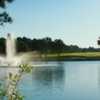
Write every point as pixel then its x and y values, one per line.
pixel 73 59
pixel 78 56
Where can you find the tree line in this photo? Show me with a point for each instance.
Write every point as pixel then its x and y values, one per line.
pixel 44 45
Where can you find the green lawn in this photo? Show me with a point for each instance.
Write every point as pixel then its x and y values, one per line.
pixel 81 54
pixel 76 55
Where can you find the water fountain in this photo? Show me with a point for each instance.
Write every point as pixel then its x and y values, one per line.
pixel 15 66
pixel 10 62
pixel 12 72
pixel 11 58
pixel 10 49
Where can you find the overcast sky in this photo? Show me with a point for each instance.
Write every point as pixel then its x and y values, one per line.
pixel 73 21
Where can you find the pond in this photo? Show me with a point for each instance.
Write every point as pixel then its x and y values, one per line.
pixel 68 80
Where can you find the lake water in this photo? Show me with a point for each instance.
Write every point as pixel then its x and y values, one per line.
pixel 73 80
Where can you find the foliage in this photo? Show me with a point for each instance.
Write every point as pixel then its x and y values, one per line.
pixel 11 92
pixel 3 3
pixel 2 45
pixel 25 68
pixel 45 45
pixel 4 16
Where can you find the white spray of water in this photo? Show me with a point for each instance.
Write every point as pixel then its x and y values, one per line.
pixel 10 47
pixel 13 59
pixel 10 50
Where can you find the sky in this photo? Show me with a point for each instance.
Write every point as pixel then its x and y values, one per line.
pixel 76 22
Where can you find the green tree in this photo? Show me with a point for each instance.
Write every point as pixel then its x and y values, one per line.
pixel 4 16
pixel 2 45
pixel 59 45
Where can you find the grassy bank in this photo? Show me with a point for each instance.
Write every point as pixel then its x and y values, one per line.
pixel 73 56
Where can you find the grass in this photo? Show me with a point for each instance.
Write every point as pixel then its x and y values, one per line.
pixel 85 54
pixel 74 56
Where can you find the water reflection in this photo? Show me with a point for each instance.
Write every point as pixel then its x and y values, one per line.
pixel 98 76
pixel 63 81
pixel 49 75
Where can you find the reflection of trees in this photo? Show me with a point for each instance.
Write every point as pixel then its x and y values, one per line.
pixel 49 75
pixel 98 76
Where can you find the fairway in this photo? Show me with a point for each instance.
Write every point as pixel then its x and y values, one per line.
pixel 73 56
pixel 82 54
